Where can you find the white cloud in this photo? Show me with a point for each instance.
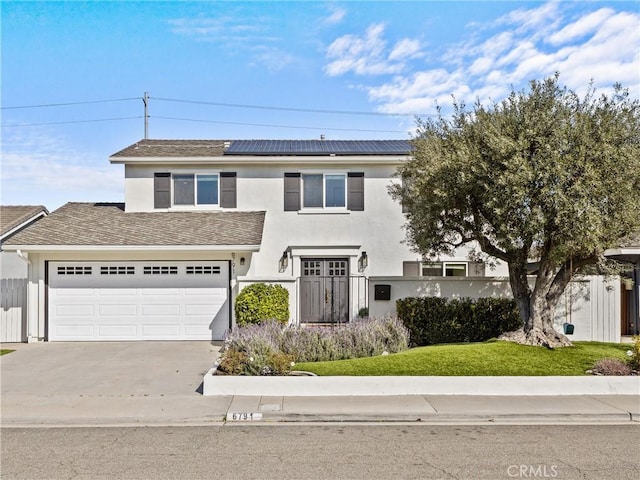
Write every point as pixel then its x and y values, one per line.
pixel 369 55
pixel 39 168
pixel 405 48
pixel 523 45
pixel 271 58
pixel 212 28
pixel 336 16
pixel 580 28
pixel 236 37
pixel 538 20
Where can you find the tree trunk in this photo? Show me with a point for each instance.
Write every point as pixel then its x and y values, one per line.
pixel 537 308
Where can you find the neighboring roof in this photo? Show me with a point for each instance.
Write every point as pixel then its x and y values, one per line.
pixel 107 224
pixel 218 148
pixel 173 148
pixel 629 251
pixel 13 217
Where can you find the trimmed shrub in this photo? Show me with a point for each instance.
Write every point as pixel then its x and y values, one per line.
pixel 633 355
pixel 271 348
pixel 432 320
pixel 611 366
pixel 260 302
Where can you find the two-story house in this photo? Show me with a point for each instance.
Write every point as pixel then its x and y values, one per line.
pixel 203 218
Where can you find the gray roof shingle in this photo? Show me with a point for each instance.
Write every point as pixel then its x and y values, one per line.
pixel 218 148
pixel 173 148
pixel 107 224
pixel 12 216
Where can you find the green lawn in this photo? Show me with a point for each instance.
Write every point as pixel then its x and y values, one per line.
pixel 4 352
pixel 488 358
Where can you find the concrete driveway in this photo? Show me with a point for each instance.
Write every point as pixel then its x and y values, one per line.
pixel 107 382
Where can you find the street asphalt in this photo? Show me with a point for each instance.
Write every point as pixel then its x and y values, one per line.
pixel 160 383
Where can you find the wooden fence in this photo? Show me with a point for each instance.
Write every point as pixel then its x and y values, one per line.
pixel 13 311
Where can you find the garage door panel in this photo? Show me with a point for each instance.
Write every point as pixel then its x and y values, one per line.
pixel 118 310
pixel 69 310
pixel 160 310
pixel 119 331
pixel 195 330
pixel 202 309
pixel 160 292
pixel 75 292
pixel 118 292
pixel 138 300
pixel 160 331
pixel 73 331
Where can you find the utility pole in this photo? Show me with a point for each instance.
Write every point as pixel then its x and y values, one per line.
pixel 145 100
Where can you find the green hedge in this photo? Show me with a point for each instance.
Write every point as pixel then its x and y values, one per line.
pixel 432 320
pixel 260 302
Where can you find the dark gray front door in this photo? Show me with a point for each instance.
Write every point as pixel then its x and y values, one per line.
pixel 324 290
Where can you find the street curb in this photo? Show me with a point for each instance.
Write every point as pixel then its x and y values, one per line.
pixel 618 418
pixel 303 386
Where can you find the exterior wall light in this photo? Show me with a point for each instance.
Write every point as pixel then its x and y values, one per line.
pixel 284 261
pixel 241 260
pixel 363 261
pixel 628 283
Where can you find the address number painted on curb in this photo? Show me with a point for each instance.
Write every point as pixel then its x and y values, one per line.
pixel 244 416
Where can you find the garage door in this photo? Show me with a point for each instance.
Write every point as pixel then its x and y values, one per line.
pixel 93 301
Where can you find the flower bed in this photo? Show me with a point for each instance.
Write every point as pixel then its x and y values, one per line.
pixel 270 349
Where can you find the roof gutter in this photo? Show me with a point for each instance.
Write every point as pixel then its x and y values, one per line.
pixel 131 248
pixel 611 252
pixel 20 226
pixel 266 160
pixel 23 256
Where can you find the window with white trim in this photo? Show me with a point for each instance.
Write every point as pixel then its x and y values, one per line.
pixel 324 190
pixel 196 189
pixel 445 269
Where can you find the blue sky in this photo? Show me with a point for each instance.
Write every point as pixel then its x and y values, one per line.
pixel 208 65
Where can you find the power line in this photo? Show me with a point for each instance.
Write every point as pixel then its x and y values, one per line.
pixel 70 121
pixel 278 126
pixel 70 103
pixel 291 109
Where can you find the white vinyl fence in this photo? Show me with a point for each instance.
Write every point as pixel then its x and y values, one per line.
pixel 13 312
pixel 590 303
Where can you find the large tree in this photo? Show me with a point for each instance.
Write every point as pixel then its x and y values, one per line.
pixel 544 178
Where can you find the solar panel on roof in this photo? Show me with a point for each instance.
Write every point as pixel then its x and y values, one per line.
pixel 319 147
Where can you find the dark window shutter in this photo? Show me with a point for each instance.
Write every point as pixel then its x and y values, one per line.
pixel 161 190
pixel 228 189
pixel 410 269
pixel 291 192
pixel 355 191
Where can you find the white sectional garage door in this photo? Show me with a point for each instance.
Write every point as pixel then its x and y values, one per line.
pixel 94 301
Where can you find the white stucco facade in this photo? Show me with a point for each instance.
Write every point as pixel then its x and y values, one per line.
pixel 377 230
pixel 344 250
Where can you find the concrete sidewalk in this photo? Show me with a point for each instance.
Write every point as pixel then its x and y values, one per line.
pixel 104 410
pixel 438 409
pixel 157 383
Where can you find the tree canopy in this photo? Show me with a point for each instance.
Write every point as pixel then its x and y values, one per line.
pixel 544 176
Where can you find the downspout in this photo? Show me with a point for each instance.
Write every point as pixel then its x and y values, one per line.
pixel 635 311
pixel 25 258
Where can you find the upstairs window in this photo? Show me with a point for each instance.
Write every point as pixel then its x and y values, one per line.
pixel 444 269
pixel 195 189
pixel 324 191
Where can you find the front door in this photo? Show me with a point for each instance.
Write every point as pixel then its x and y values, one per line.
pixel 324 290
